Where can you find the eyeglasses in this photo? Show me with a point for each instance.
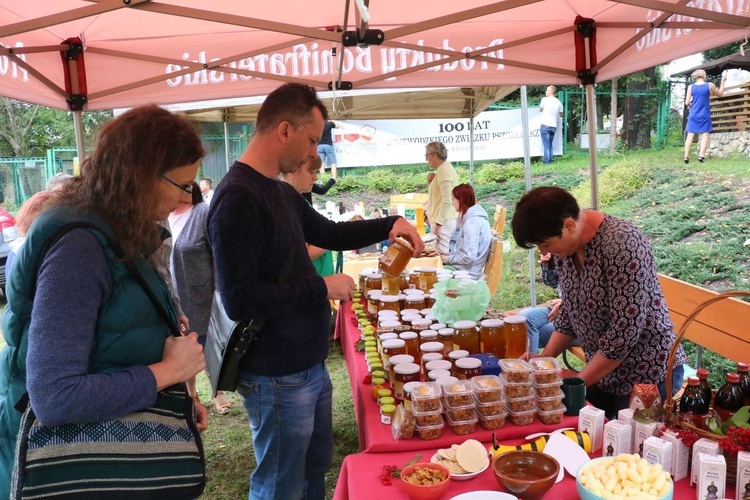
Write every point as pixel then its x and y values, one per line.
pixel 188 188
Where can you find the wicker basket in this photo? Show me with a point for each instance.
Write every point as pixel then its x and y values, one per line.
pixel 671 408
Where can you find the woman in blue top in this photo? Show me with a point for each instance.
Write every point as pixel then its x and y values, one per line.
pixel 699 120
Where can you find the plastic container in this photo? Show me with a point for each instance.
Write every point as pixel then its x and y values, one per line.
pixel 520 404
pixel 428 417
pixel 545 370
pixel 460 412
pixel 459 394
pixel 429 432
pixel 550 403
pixel 462 427
pixel 515 370
pixel 547 390
pixel 407 395
pixel 522 417
pixel 487 388
pixel 402 423
pixel 490 409
pixel 492 422
pixel 426 396
pixel 552 416
pixel 516 389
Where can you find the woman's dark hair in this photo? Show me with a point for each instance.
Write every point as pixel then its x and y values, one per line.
pixel 196 195
pixel 541 213
pixel 464 193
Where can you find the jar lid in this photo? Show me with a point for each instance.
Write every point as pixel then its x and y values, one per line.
pixel 423 321
pixel 384 393
pixel 374 293
pixel 426 311
pixel 427 269
pixel 414 297
pixel 447 380
pixel 431 356
pixel 702 373
pixel 375 276
pixel 405 243
pixel 432 346
pixel 438 364
pixel 388 336
pixel 387 313
pixel 408 311
pixel 742 367
pixel 445 332
pixel 406 368
pixel 389 298
pixel 408 335
pixel 492 323
pixel 413 291
pixel 428 334
pixel 411 317
pixel 410 385
pixel 438 326
pixel 458 354
pixel 466 323
pixel 468 363
pixel 393 343
pixel 390 324
pixel 731 377
pixel 388 400
pixel 388 409
pixel 694 381
pixel 436 374
pixel 401 358
pixel 515 319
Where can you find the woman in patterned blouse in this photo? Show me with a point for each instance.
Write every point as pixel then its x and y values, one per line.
pixel 612 301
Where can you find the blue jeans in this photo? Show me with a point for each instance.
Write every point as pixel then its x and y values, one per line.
pixel 548 135
pixel 538 328
pixel 327 154
pixel 291 420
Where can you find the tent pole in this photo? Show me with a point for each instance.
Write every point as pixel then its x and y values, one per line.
pixel 471 148
pixel 591 117
pixel 226 141
pixel 80 139
pixel 527 170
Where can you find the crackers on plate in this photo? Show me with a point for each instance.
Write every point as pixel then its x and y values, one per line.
pixel 467 458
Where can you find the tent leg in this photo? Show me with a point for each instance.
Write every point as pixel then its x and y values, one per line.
pixel 226 143
pixel 80 139
pixel 471 148
pixel 527 170
pixel 591 117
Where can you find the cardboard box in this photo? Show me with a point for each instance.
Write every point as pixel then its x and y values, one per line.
pixel 642 433
pixel 617 438
pixel 712 476
pixel 626 415
pixel 658 451
pixel 706 446
pixel 743 475
pixel 591 420
pixel 680 455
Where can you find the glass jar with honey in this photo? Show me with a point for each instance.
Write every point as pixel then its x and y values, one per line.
pixel 389 303
pixel 427 336
pixel 362 275
pixel 382 336
pixel 427 278
pixel 415 301
pixel 492 337
pixel 468 367
pixel 396 360
pixel 420 324
pixel 433 350
pixel 412 343
pixel 445 335
pixel 373 281
pixel 516 336
pixel 453 356
pixel 403 373
pixel 396 257
pixel 373 300
pixel 391 347
pixel 414 279
pixel 466 336
pixel 391 285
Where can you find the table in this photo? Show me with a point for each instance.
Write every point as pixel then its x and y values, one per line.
pixel 374 436
pixel 359 479
pixel 354 266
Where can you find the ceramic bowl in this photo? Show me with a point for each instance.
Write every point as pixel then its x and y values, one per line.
pixel 587 495
pixel 526 474
pixel 426 492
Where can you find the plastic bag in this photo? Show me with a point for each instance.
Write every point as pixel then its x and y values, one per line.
pixel 470 301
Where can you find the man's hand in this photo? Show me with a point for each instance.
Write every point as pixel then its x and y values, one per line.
pixel 545 258
pixel 201 416
pixel 403 228
pixel 555 303
pixel 340 286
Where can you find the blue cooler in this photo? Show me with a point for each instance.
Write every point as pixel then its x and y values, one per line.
pixel 489 363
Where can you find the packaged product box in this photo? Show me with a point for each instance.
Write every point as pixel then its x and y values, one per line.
pixel 658 451
pixel 616 438
pixel 743 475
pixel 706 446
pixel 680 455
pixel 712 476
pixel 626 415
pixel 591 420
pixel 642 433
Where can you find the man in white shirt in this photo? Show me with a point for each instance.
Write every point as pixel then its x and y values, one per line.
pixel 206 190
pixel 551 108
pixel 440 211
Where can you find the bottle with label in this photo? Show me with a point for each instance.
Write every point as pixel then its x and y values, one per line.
pixel 729 399
pixel 694 400
pixel 744 371
pixel 705 384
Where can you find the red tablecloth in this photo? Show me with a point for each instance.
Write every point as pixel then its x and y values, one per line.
pixel 359 480
pixel 375 436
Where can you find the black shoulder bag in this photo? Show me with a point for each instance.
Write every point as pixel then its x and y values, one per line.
pixel 227 340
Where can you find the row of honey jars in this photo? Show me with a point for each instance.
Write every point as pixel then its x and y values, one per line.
pixel 377 300
pixel 504 338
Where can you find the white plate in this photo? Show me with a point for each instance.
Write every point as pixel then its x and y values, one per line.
pixel 484 495
pixel 462 477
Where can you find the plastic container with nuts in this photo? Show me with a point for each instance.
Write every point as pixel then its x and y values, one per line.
pixel 487 388
pixel 490 409
pixel 428 417
pixel 553 416
pixel 428 432
pixel 550 403
pixel 459 394
pixel 520 404
pixel 426 397
pixel 463 426
pixel 545 370
pixel 515 370
pixel 516 389
pixel 460 412
pixel 547 390
pixel 492 422
pixel 525 417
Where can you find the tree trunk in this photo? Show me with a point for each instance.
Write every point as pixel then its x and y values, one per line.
pixel 638 119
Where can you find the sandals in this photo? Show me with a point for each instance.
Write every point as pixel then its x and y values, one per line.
pixel 687 160
pixel 702 159
pixel 221 404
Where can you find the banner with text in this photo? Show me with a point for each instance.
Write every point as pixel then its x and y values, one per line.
pixel 497 135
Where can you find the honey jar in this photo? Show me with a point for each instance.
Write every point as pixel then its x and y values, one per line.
pixel 445 335
pixel 430 349
pixel 427 278
pixel 420 324
pixel 396 360
pixel 412 343
pixel 430 299
pixel 389 303
pixel 382 337
pixel 415 301
pixel 373 281
pixel 427 336
pixel 373 300
pixel 456 355
pixel 391 285
pixel 466 336
pixel 468 367
pixel 404 373
pixel 492 337
pixel 391 347
pixel 396 257
pixel 362 275
pixel 407 392
pixel 516 336
pixel 414 279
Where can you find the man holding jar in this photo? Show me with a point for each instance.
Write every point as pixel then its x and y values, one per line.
pixel 440 212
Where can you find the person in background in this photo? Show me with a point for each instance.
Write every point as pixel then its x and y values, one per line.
pixel 257 224
pixel 539 320
pixel 472 246
pixel 303 181
pixel 612 301
pixel 698 102
pixel 551 109
pixel 95 346
pixel 440 212
pixel 206 191
pixel 57 180
pixel 326 150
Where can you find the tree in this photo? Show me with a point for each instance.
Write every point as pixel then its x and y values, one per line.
pixel 724 50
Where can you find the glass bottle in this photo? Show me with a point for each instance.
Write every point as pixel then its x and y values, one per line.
pixel 729 399
pixel 694 400
pixel 705 384
pixel 466 336
pixel 744 371
pixel 516 337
